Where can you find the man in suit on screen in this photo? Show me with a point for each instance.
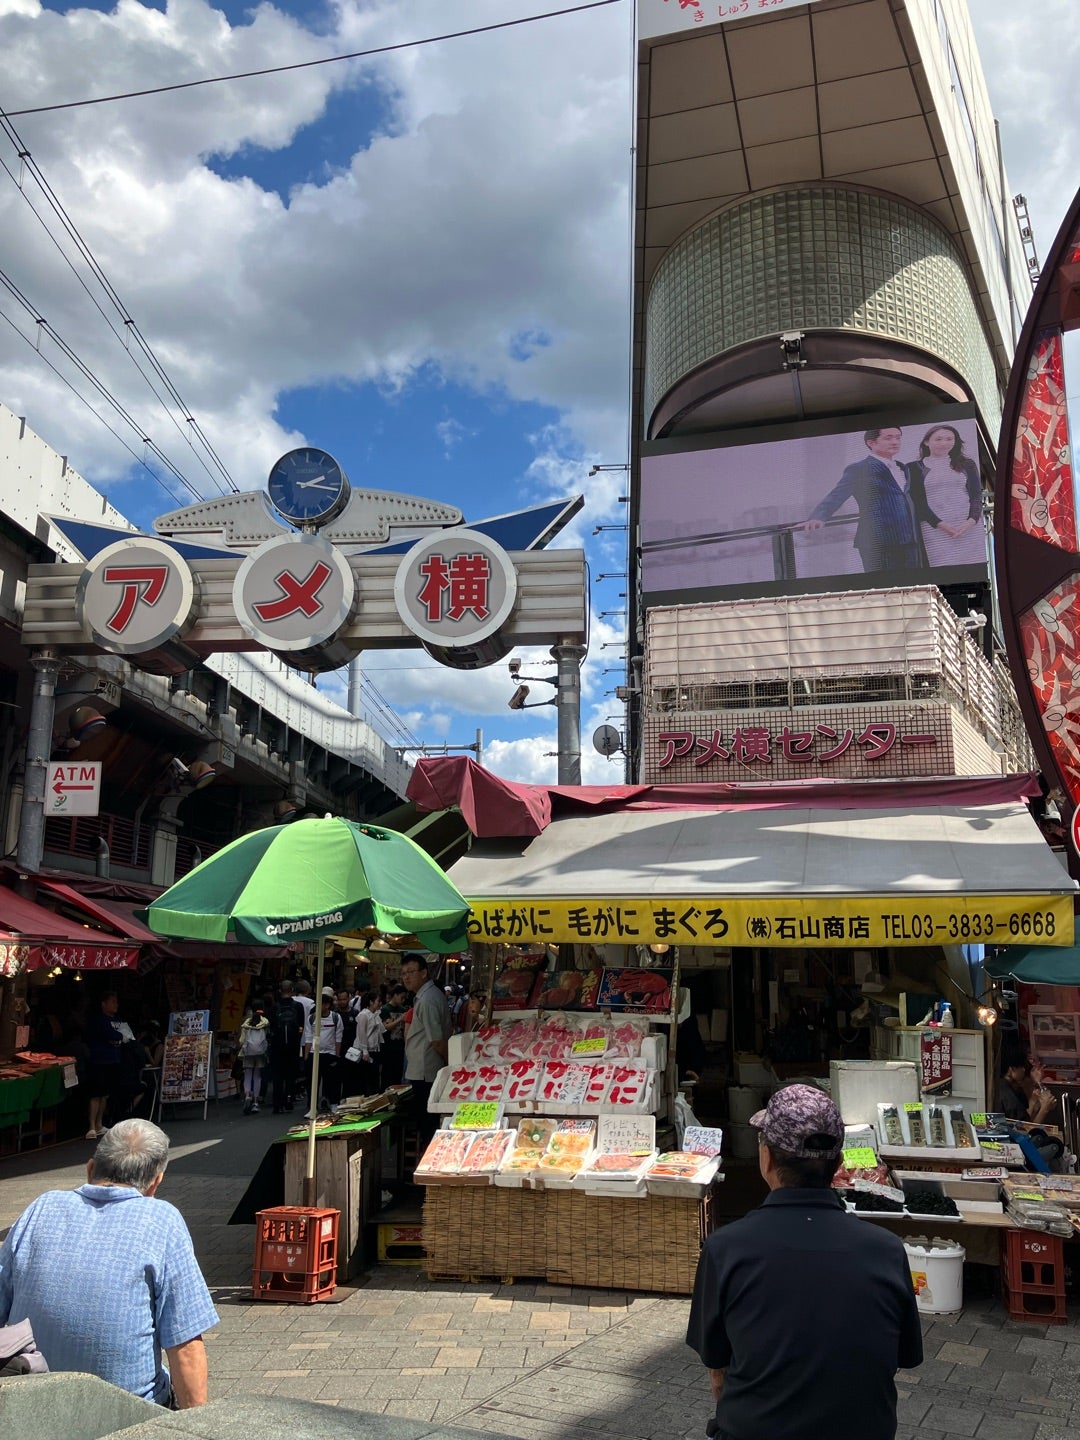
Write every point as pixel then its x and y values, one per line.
pixel 886 536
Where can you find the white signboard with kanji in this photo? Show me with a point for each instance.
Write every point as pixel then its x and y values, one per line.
pixel 668 17
pixel 73 787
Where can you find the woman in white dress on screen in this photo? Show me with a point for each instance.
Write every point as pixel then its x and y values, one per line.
pixel 946 493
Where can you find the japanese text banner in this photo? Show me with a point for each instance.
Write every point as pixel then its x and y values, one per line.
pixel 847 920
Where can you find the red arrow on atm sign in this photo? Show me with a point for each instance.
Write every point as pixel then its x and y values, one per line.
pixel 79 777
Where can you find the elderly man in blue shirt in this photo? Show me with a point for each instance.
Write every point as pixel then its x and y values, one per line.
pixel 107 1276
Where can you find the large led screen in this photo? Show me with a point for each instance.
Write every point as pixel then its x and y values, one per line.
pixel 890 505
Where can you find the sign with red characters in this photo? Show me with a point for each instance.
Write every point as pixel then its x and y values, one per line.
pixel 455 589
pixel 136 596
pixel 294 593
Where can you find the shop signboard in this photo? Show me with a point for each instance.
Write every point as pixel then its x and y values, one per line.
pixel 870 743
pixel 839 921
pixel 935 1053
pixel 670 17
pixel 73 788
pixel 84 957
pixel 886 505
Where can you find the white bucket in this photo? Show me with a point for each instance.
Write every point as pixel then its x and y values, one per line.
pixel 937 1272
pixel 744 1141
pixel 743 1101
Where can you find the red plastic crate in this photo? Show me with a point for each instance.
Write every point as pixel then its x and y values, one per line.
pixel 295 1254
pixel 1033 1276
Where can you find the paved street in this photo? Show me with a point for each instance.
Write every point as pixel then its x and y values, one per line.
pixel 536 1361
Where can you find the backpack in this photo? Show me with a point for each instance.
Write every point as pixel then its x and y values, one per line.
pixel 253 1041
pixel 286 1024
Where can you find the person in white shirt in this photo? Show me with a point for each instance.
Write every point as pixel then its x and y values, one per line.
pixel 369 1034
pixel 331 1029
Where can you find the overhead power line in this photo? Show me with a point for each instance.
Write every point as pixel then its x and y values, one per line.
pixel 131 331
pixel 139 459
pixel 85 370
pixel 310 64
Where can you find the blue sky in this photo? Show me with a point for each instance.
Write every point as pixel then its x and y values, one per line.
pixel 418 263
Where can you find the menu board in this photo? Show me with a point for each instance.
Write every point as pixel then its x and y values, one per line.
pixel 185 1071
pixel 189 1022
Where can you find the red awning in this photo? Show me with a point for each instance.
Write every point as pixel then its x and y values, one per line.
pixel 35 938
pixel 118 917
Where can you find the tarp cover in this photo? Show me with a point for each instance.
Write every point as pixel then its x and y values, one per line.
pixel 491 806
pixel 794 876
pixel 976 849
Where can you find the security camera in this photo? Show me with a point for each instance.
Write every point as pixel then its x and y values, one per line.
pixel 513 665
pixel 178 765
pixel 517 700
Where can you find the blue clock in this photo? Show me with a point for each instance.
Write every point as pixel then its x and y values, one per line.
pixel 308 487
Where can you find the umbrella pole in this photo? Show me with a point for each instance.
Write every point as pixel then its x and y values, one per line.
pixel 309 1176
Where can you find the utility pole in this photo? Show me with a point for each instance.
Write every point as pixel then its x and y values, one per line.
pixel 31 843
pixel 569 655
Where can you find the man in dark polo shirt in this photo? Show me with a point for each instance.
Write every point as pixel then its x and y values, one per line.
pixel 801 1312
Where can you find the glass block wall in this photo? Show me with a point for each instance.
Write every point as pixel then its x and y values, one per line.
pixel 823 257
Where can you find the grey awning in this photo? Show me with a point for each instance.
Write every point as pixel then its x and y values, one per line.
pixel 774 864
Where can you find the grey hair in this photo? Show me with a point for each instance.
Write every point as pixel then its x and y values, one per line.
pixel 134 1152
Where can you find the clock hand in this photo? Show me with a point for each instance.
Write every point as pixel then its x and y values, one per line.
pixel 310 484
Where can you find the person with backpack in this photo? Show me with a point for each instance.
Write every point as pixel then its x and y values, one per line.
pixel 286 1035
pixel 254 1053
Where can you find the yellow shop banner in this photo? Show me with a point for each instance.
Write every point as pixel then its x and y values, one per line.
pixel 847 920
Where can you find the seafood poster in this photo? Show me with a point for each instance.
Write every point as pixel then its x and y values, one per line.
pixel 636 991
pixel 515 981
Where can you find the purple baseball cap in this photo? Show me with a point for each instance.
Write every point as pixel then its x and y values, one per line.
pixel 803 1121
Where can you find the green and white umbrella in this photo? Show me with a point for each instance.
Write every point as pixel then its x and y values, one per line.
pixel 306 881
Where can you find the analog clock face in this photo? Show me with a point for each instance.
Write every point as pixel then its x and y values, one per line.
pixel 308 487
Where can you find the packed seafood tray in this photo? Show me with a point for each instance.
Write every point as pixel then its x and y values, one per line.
pixel 625 1148
pixel 463 1157
pixel 547 1153
pixel 1063 1190
pixel 931 1130
pixel 561 1035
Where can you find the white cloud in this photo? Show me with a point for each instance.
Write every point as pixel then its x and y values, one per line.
pixel 451 432
pixel 482 231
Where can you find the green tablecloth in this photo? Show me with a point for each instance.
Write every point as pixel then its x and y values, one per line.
pixel 36 1090
pixel 343 1127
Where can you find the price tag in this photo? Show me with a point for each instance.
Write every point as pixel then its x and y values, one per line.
pixel 860 1158
pixel 910 1105
pixel 476 1115
pixel 1027 1195
pixel 978 1118
pixel 889 1192
pixel 986 1172
pixel 990 1144
pixel 591 1045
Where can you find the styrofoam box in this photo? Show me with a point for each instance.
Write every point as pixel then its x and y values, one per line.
pixel 859 1086
pixel 978 1196
pixel 752 1070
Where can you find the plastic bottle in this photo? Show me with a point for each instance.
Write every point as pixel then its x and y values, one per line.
pixel 948 1019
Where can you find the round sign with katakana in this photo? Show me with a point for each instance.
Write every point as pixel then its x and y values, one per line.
pixel 293 593
pixel 456 588
pixel 136 596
